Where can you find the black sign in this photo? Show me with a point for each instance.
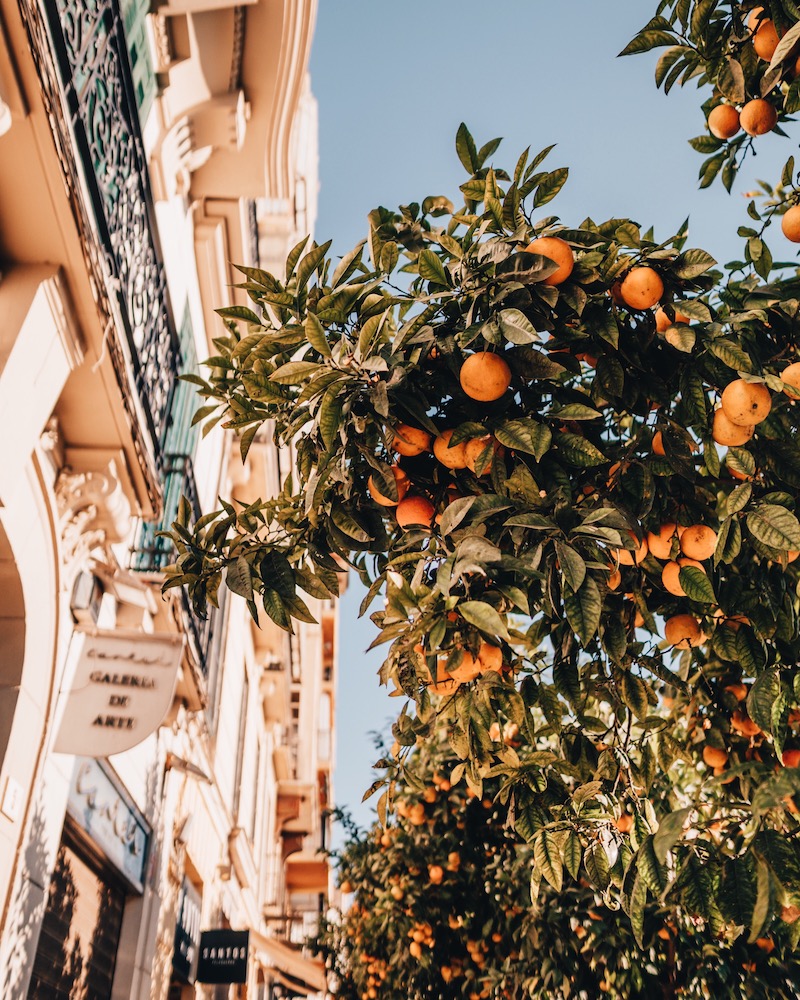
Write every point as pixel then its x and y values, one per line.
pixel 187 933
pixel 223 957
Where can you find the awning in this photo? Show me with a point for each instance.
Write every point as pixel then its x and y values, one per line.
pixel 306 872
pixel 290 966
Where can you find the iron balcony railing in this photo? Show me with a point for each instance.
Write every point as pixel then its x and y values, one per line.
pixel 153 552
pixel 92 62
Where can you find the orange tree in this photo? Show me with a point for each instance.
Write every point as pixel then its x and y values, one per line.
pixel 441 908
pixel 566 457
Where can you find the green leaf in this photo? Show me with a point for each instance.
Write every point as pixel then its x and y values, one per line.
pixel 764 908
pixel 739 498
pixel 566 680
pixel 572 565
pixel 595 861
pixel 239 312
pixel 517 328
pixel 697 585
pixel 455 514
pixel 550 186
pixel 315 335
pixel 691 264
pixel 647 40
pixel 583 609
pixel 681 336
pixel 238 578
pixel 774 526
pixel 634 694
pixel 466 149
pixel 484 617
pixel 574 411
pixel 344 522
pixel 431 268
pixel 730 354
pixel 525 435
pixel 572 854
pixel 762 695
pixel 296 372
pixel 275 608
pixel 310 262
pixel 547 858
pixel 578 451
pixel 650 867
pixel 670 831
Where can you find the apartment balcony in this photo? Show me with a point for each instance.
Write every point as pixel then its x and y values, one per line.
pixel 85 67
pixel 152 553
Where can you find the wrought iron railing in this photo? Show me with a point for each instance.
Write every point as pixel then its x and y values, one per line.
pixel 153 552
pixel 91 56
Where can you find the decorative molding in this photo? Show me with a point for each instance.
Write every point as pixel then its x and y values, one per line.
pixel 93 511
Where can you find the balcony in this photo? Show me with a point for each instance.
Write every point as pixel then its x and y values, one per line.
pixel 152 553
pixel 86 73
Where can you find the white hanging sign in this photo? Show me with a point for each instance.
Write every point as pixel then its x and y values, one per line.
pixel 118 686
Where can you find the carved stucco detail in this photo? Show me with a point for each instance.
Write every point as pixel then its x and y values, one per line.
pixel 93 512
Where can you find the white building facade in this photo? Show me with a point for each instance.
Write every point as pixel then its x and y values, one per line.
pixel 161 776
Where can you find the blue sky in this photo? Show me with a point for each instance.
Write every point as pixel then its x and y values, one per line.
pixel 393 82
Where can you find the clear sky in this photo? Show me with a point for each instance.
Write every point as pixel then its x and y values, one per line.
pixel 393 82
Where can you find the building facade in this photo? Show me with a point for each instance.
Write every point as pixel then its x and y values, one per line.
pixel 165 781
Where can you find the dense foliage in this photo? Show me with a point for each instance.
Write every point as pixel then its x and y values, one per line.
pixel 511 427
pixel 441 908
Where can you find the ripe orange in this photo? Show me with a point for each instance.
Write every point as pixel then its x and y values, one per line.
pixel 739 691
pixel 615 291
pixel 746 403
pixel 415 511
pixel 614 579
pixel 791 758
pixel 790 224
pixel 660 542
pixel 410 441
pixel 490 657
pixel 723 121
pixel 729 434
pixel 453 458
pixel 629 557
pixel 485 376
pixel 445 683
pixel 742 724
pixel 765 944
pixel 683 631
pixel 758 117
pixel 671 575
pixel 657 444
pixel 663 322
pixel 400 478
pixel 624 823
pixel 476 455
pixel 791 375
pixel 699 541
pixel 557 250
pixel 715 756
pixel 765 38
pixel 435 874
pixel 641 288
pixel 467 670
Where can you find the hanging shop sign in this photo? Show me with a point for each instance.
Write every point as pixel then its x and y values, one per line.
pixel 100 806
pixel 118 686
pixel 223 956
pixel 187 933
